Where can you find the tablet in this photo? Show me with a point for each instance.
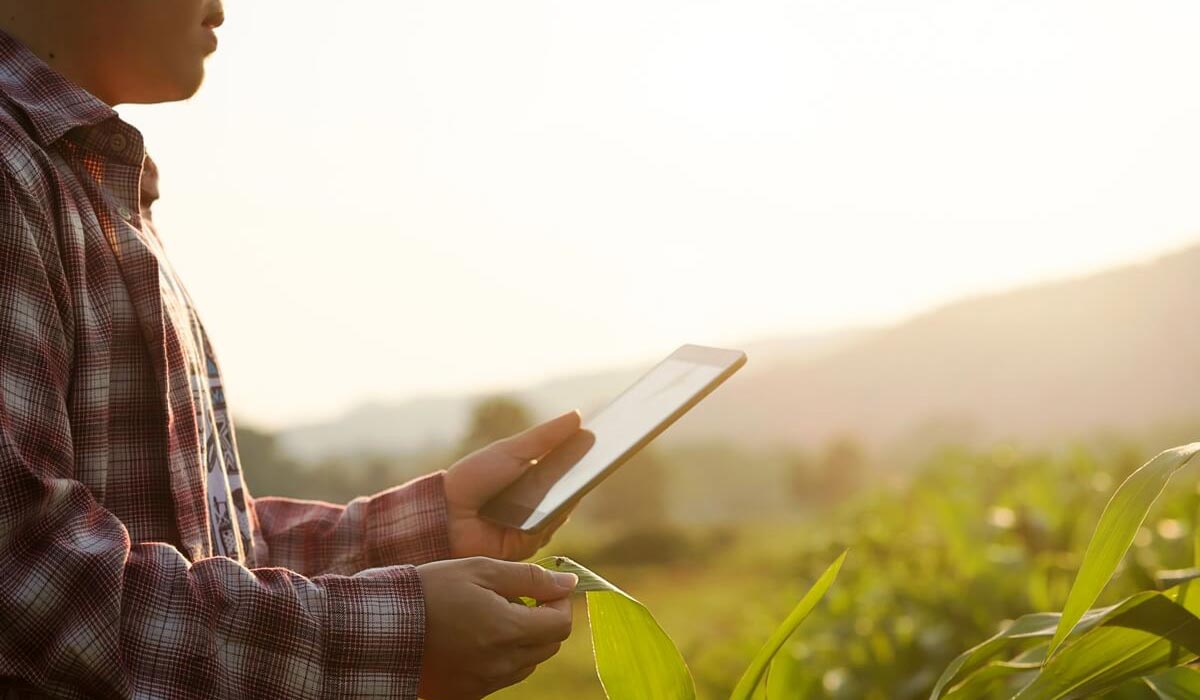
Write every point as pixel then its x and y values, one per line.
pixel 606 441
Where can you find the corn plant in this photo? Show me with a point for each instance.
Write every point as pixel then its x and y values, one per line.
pixel 636 659
pixel 1138 648
pixel 1141 648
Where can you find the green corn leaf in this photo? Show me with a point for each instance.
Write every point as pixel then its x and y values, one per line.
pixel 975 658
pixel 1133 690
pixel 1159 632
pixel 1145 633
pixel 1173 577
pixel 786 678
pixel 1123 515
pixel 1196 539
pixel 1025 631
pixel 762 660
pixel 1014 674
pixel 1176 683
pixel 635 658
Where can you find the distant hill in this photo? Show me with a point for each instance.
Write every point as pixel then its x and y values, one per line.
pixel 1115 350
pixel 1119 349
pixel 420 423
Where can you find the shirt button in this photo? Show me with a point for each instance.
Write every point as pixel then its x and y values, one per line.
pixel 117 143
pixel 125 213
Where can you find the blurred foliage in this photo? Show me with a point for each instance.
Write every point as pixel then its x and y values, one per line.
pixel 945 549
pixel 971 541
pixel 634 497
pixel 838 471
pixel 270 472
pixel 492 419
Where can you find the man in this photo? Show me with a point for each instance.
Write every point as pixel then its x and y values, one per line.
pixel 133 563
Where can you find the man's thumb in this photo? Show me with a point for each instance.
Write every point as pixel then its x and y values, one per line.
pixel 513 580
pixel 541 438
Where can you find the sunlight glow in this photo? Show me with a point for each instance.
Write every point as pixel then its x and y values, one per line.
pixel 381 199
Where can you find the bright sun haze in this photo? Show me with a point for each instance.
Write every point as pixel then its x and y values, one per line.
pixel 380 199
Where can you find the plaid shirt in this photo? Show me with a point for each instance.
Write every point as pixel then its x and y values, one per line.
pixel 110 586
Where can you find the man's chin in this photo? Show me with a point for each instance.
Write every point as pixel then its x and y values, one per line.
pixel 180 87
pixel 165 87
pixel 189 89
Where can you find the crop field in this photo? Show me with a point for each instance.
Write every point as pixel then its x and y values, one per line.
pixel 971 543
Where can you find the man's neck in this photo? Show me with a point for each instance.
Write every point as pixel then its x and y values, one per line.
pixel 47 29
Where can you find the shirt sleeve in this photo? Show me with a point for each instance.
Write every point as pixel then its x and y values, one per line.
pixel 88 614
pixel 403 525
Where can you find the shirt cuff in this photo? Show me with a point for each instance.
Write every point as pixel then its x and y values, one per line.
pixel 374 634
pixel 408 524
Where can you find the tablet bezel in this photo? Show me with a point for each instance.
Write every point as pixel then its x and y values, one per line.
pixel 527 519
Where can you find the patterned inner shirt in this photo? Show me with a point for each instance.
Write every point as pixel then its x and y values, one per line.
pixel 228 520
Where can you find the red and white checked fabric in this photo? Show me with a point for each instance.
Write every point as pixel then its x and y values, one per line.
pixel 109 583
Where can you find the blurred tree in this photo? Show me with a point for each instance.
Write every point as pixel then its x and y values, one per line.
pixel 844 465
pixel 338 478
pixel 803 477
pixel 378 472
pixel 634 497
pixel 265 467
pixel 492 419
pixel 838 472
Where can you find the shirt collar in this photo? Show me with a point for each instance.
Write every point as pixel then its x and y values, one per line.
pixel 53 104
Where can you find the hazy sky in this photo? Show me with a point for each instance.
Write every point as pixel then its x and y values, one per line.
pixel 382 198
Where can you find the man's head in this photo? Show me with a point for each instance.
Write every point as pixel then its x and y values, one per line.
pixel 122 51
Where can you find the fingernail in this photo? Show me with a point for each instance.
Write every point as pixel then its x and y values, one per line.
pixel 565 580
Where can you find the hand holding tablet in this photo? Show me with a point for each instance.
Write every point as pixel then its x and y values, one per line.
pixel 606 441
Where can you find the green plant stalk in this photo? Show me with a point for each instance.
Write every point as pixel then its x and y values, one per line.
pixel 762 660
pixel 1196 539
pixel 1114 534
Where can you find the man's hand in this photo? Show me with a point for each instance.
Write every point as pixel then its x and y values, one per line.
pixel 476 640
pixel 474 479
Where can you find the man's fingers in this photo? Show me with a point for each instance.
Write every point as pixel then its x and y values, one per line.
pixel 542 438
pixel 476 479
pixel 541 539
pixel 535 654
pixel 513 580
pixel 511 679
pixel 548 623
pixel 558 521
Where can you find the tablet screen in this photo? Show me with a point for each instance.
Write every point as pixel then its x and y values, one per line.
pixel 609 435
